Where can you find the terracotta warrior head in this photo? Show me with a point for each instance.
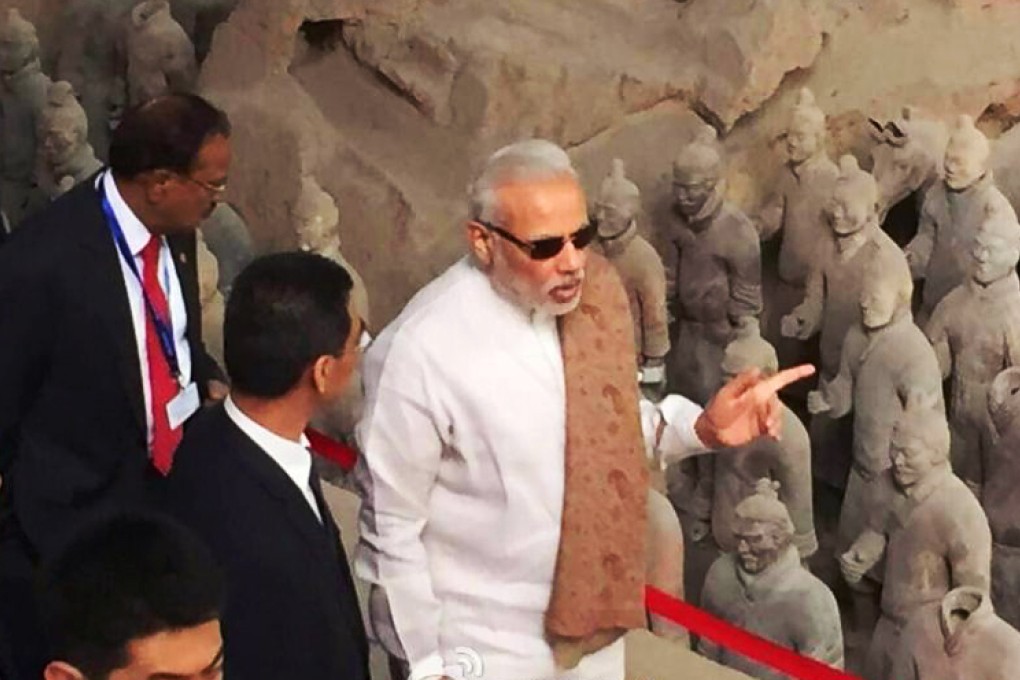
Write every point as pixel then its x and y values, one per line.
pixel 764 529
pixel 805 134
pixel 696 173
pixel 619 202
pixel 886 292
pixel 749 351
pixel 19 44
pixel 316 217
pixel 63 127
pixel 996 247
pixel 1004 399
pixel 854 202
pixel 920 442
pixel 967 155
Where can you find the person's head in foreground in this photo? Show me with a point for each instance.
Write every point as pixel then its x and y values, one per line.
pixel 528 226
pixel 290 332
pixel 134 597
pixel 763 530
pixel 170 157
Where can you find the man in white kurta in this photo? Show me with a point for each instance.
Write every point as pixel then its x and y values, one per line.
pixel 462 471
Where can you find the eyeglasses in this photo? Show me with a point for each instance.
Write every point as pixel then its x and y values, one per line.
pixel 547 248
pixel 215 190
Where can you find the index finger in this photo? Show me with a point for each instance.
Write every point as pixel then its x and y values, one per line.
pixel 770 386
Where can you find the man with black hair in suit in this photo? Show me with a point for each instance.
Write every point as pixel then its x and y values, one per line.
pixel 101 354
pixel 134 596
pixel 243 478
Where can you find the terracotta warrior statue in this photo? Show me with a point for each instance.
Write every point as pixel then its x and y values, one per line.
pixel 795 211
pixel 975 330
pixel 952 211
pixel 831 305
pixel 640 268
pixel 160 56
pixel 885 360
pixel 23 90
pixel 763 588
pixel 65 156
pixel 713 270
pixel 960 637
pixel 786 460
pixel 933 535
pixel 999 493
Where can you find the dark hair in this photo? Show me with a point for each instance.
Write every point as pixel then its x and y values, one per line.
pixel 123 579
pixel 165 133
pixel 285 311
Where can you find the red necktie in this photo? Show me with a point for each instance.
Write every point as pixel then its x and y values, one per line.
pixel 162 385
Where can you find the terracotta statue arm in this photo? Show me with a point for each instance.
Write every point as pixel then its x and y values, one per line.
pixel 970 548
pixel 793 472
pixel 806 318
pixel 938 335
pixel 770 218
pixel 654 317
pixel 835 396
pixel 918 251
pixel 862 556
pixel 744 267
pixel 819 630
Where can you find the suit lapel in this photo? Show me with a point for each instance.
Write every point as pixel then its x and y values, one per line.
pixel 107 282
pixel 182 250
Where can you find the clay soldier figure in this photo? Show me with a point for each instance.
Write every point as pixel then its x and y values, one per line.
pixel 213 306
pixel 831 305
pixel 763 588
pixel 713 274
pixel 933 535
pixel 227 236
pixel 1000 493
pixel 952 212
pixel 885 359
pixel 23 88
pixel 160 56
pixel 803 189
pixel 786 460
pixel 640 268
pixel 714 270
pixel 65 156
pixel 960 637
pixel 975 330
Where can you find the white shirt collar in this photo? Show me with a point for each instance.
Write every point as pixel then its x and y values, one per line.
pixel 293 457
pixel 135 233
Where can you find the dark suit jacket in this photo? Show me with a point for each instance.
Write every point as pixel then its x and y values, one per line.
pixel 292 610
pixel 72 414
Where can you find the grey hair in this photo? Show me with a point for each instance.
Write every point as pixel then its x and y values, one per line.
pixel 530 160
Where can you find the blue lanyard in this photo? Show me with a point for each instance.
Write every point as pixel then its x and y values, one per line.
pixel 164 329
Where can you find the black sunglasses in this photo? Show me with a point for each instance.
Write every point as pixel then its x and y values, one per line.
pixel 547 248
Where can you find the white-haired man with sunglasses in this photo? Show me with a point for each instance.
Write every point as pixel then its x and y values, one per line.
pixel 503 474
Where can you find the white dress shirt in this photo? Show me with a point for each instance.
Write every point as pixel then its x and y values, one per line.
pixel 137 236
pixel 462 479
pixel 294 458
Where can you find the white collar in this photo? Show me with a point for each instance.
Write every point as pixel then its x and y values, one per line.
pixel 136 234
pixel 293 457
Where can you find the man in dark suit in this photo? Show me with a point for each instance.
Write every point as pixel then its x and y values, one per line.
pixel 243 477
pixel 101 355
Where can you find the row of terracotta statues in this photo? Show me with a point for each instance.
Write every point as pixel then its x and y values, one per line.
pixel 920 483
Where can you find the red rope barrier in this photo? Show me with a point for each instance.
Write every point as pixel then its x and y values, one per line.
pixel 739 640
pixel 699 622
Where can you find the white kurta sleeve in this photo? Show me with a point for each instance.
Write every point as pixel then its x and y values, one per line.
pixel 678 440
pixel 400 455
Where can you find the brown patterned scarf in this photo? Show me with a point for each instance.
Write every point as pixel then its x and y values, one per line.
pixel 598 588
